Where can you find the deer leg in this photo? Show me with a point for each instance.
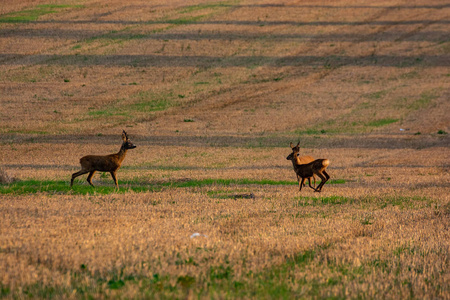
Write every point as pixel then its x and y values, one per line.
pixel 326 177
pixel 314 177
pixel 113 175
pixel 89 178
pixel 304 183
pixel 301 184
pixel 76 174
pixel 298 179
pixel 322 182
pixel 309 182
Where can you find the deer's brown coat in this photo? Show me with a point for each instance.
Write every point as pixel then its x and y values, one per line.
pixel 104 163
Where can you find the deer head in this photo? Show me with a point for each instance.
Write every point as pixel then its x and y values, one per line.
pixel 295 151
pixel 127 144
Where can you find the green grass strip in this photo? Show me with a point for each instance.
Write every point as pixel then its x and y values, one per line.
pixel 316 201
pixel 31 15
pixel 63 187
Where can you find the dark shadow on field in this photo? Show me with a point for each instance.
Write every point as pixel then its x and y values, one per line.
pixel 243 23
pixel 367 141
pixel 422 35
pixel 145 166
pixel 398 61
pixel 39 166
pixel 375 6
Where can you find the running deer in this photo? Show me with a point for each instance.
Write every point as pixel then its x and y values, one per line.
pixel 306 171
pixel 106 163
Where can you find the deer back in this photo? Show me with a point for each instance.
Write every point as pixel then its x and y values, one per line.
pixel 319 165
pixel 309 169
pixel 107 163
pixel 304 159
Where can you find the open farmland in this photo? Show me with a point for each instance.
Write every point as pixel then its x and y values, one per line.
pixel 212 93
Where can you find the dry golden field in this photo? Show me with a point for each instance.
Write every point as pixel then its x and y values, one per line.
pixel 212 92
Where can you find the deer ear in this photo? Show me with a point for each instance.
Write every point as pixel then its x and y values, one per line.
pixel 291 145
pixel 124 136
pixel 298 144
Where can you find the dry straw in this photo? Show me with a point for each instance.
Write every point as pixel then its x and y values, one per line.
pixel 215 91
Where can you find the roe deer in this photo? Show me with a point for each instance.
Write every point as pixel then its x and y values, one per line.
pixel 106 163
pixel 305 171
pixel 305 160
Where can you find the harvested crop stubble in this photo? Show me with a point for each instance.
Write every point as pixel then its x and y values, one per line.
pixel 212 93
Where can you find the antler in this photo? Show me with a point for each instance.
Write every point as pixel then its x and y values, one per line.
pixel 124 135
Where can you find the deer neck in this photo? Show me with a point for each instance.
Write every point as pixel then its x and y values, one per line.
pixel 295 164
pixel 299 168
pixel 122 152
pixel 296 160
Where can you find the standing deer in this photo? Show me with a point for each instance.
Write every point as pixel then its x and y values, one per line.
pixel 305 160
pixel 106 163
pixel 305 171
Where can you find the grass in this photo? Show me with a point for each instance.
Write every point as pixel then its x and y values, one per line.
pixel 97 113
pixel 424 100
pixel 154 69
pixel 298 276
pixel 193 8
pixel 107 113
pixel 62 187
pixel 315 201
pixel 122 36
pixel 152 105
pixel 402 202
pixel 220 279
pixel 312 131
pixel 142 102
pixel 335 127
pixel 221 265
pixel 376 95
pixel 185 20
pixel 381 122
pixel 31 15
pixel 24 131
pixel 147 101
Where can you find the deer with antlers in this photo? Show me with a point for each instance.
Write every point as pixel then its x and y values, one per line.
pixel 307 170
pixel 105 163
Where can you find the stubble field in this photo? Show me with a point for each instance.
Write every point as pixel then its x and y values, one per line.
pixel 212 93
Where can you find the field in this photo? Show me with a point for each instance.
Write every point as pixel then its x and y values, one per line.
pixel 212 93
